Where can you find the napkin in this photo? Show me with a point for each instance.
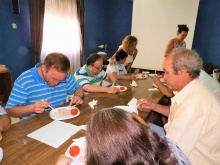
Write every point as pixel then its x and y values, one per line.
pixel 93 103
pixel 79 159
pixel 55 133
pixel 132 103
pixel 134 84
pixel 154 85
pixel 1 154
pixel 153 89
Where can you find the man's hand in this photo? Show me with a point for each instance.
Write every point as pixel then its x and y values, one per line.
pixel 136 71
pixel 40 106
pixel 76 100
pixel 156 80
pixel 112 62
pixel 144 105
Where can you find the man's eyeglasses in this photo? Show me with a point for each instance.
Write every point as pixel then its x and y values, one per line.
pixel 51 79
pixel 98 68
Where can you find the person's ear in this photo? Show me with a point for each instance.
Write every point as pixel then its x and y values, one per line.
pixel 44 69
pixel 183 71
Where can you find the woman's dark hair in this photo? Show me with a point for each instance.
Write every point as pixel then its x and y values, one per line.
pixel 115 137
pixel 120 54
pixel 58 61
pixel 93 58
pixel 182 28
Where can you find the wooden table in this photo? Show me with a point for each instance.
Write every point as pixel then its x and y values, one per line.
pixel 22 150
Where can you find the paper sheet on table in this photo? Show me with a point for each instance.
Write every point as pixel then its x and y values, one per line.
pixel 55 133
pixel 132 103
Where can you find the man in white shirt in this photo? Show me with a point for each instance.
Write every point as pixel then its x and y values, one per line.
pixel 194 115
pixel 210 82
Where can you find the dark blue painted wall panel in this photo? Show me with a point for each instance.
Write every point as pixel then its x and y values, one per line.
pixel 106 22
pixel 119 20
pixel 207 32
pixel 14 43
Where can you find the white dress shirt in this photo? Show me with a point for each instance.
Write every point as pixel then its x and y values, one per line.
pixel 194 123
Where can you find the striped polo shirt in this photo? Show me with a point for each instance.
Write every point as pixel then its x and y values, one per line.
pixel 83 76
pixel 30 87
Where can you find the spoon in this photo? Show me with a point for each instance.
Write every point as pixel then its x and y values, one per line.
pixel 51 107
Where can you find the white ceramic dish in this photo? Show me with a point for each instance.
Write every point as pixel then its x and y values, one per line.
pixel 125 88
pixel 63 113
pixel 127 108
pixel 141 76
pixel 80 159
pixel 152 75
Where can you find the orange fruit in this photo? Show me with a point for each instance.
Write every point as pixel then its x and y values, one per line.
pixel 122 88
pixel 74 111
pixel 74 150
pixel 143 76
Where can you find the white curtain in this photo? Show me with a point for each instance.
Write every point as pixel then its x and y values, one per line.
pixel 61 32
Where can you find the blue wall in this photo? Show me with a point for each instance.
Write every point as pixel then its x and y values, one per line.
pixel 106 22
pixel 14 43
pixel 207 32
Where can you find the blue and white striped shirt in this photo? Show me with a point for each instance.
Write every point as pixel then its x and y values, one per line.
pixel 30 87
pixel 83 76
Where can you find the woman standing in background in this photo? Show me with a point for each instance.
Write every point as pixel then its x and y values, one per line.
pixel 129 44
pixel 178 41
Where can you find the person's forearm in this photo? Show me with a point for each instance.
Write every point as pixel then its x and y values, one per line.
pixel 129 67
pixel 94 88
pixel 165 90
pixel 125 77
pixel 5 122
pixel 79 92
pixel 21 111
pixel 164 110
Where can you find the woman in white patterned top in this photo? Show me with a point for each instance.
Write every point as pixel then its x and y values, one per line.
pixel 178 41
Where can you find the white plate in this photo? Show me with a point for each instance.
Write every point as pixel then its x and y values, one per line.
pixel 127 108
pixel 141 76
pixel 152 75
pixel 81 158
pixel 63 113
pixel 120 89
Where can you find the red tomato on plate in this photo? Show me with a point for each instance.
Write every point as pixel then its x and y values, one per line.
pixel 74 150
pixel 158 75
pixel 122 88
pixel 74 111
